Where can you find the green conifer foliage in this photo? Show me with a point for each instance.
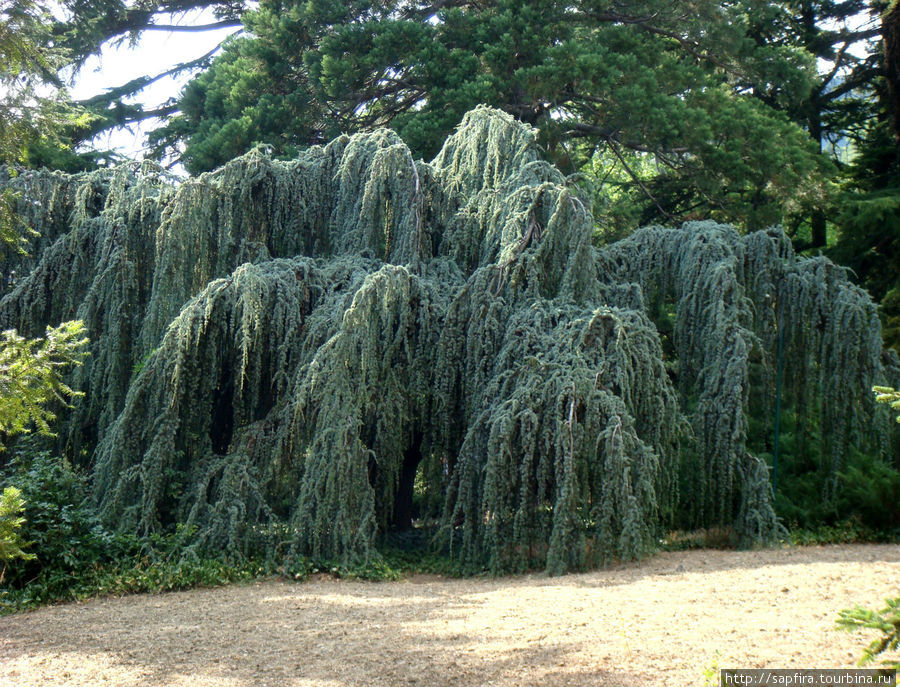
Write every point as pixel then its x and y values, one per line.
pixel 278 348
pixel 96 265
pixel 731 295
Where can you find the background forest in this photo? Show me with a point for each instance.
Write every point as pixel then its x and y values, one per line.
pixel 707 123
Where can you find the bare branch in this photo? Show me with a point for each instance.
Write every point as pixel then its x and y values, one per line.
pixel 191 28
pixel 637 179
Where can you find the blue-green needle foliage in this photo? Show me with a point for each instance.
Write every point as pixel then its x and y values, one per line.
pixel 731 296
pixel 278 348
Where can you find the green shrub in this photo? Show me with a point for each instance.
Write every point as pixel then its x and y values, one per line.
pixel 870 488
pixel 65 534
pixel 11 542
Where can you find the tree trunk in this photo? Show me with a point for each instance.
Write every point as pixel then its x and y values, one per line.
pixel 403 499
pixel 890 32
pixel 817 221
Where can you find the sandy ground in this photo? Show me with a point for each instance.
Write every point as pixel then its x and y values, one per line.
pixel 661 622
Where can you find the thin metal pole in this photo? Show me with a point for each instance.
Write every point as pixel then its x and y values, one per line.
pixel 778 395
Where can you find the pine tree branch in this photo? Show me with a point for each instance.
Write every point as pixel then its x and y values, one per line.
pixel 607 133
pixel 193 28
pixel 637 179
pixel 135 85
pixel 644 23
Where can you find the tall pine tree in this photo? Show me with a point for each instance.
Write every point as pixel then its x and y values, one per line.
pixel 656 79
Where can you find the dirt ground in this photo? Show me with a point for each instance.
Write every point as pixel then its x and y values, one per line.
pixel 660 622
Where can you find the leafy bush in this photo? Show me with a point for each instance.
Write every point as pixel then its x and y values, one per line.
pixel 858 502
pixel 11 520
pixel 65 534
pixel 870 488
pixel 848 531
pixel 75 557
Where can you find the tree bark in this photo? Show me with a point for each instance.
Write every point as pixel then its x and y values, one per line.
pixel 890 32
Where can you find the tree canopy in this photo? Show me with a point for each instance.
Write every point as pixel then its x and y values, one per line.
pixel 653 80
pixel 676 111
pixel 280 349
pixel 866 217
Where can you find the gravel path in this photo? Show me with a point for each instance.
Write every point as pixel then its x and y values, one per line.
pixel 660 622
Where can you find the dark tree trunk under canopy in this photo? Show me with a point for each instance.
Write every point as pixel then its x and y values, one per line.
pixel 279 347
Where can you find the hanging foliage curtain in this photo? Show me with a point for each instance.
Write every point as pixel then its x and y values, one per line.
pixel 278 348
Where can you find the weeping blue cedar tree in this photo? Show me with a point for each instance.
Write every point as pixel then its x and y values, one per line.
pixel 279 347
